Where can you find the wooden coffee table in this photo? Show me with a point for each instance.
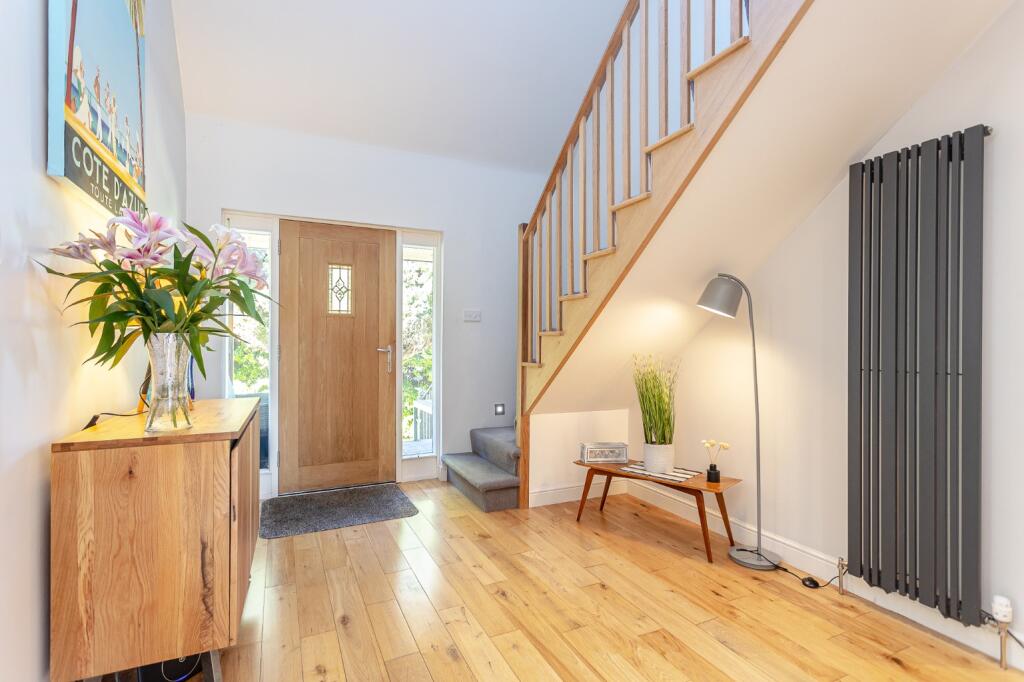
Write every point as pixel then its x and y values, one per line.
pixel 696 486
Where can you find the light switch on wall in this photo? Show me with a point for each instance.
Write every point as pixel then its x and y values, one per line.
pixel 471 315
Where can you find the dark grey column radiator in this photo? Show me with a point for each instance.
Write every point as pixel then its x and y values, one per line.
pixel 915 372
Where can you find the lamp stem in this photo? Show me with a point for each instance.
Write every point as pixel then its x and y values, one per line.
pixel 757 404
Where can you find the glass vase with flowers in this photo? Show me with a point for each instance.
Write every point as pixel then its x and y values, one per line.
pixel 148 279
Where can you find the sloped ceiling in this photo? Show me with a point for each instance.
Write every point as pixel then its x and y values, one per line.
pixel 493 82
pixel 845 76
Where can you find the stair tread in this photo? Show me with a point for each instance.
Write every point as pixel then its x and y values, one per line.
pixel 719 56
pixel 600 253
pixel 498 446
pixel 626 203
pixel 671 137
pixel 479 472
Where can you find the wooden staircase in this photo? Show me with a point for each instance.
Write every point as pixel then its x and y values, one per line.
pixel 612 187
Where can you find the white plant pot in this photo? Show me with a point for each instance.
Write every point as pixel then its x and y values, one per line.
pixel 659 459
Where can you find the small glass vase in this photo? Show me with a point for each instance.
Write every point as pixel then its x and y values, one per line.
pixel 169 358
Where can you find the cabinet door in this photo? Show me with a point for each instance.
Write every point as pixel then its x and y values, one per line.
pixel 245 515
pixel 140 559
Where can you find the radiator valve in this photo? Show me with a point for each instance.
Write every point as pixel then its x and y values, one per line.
pixel 1002 614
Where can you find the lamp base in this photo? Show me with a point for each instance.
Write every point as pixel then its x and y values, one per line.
pixel 750 558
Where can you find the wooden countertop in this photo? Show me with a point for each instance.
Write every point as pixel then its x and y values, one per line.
pixel 222 419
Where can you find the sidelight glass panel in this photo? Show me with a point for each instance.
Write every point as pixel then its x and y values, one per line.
pixel 339 289
pixel 419 403
pixel 249 361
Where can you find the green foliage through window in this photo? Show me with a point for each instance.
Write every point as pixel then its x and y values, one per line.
pixel 417 347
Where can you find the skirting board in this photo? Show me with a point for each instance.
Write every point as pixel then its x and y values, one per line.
pixel 823 566
pixel 541 498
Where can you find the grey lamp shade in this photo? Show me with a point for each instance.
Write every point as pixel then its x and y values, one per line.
pixel 721 296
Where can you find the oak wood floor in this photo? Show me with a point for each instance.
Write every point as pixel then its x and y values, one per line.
pixel 453 593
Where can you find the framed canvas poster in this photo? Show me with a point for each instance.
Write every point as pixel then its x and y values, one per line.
pixel 96 105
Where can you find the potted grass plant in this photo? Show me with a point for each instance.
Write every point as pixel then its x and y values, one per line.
pixel 656 390
pixel 147 279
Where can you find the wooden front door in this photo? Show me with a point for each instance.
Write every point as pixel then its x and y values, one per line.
pixel 337 416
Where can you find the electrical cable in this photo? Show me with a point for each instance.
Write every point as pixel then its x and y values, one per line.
pixel 808 581
pixel 143 389
pixel 991 619
pixel 187 675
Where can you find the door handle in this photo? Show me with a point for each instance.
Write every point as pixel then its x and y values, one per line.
pixel 386 349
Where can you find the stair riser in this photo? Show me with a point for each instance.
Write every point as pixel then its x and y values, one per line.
pixel 501 453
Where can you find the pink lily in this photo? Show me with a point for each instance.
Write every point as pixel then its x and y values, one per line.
pixel 201 254
pixel 145 256
pixel 107 243
pixel 252 267
pixel 151 229
pixel 78 250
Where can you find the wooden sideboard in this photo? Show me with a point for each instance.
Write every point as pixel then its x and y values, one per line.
pixel 151 538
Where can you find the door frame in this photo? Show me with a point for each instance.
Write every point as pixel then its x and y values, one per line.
pixel 270 222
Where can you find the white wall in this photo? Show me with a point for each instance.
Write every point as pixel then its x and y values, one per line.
pixel 477 208
pixel 555 444
pixel 800 298
pixel 47 392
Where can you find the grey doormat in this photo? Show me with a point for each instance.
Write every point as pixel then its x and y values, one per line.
pixel 312 512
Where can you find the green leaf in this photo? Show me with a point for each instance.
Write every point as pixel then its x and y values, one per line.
pixel 99 304
pixel 201 236
pixel 95 277
pixel 196 292
pixel 124 345
pixel 106 340
pixel 126 279
pixel 163 299
pixel 224 330
pixel 182 264
pixel 197 350
pixel 116 316
pixel 58 273
pixel 251 303
pixel 213 304
pixel 82 300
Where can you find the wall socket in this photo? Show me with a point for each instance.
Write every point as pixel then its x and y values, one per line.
pixel 471 315
pixel 499 409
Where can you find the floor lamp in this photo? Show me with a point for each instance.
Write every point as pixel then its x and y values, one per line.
pixel 722 297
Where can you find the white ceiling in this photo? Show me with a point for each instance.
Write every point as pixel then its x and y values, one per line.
pixel 495 82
